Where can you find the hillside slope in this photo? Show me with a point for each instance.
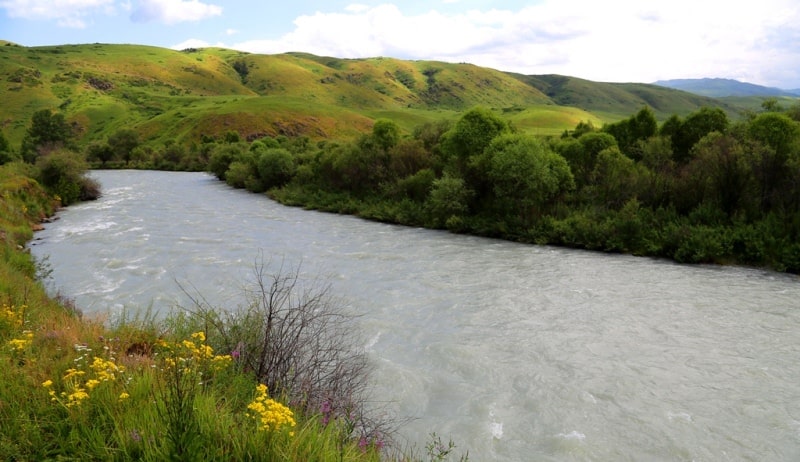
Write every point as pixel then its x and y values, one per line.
pixel 171 95
pixel 619 99
pixel 717 88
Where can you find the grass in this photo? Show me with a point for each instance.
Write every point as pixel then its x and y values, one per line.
pixel 169 95
pixel 78 388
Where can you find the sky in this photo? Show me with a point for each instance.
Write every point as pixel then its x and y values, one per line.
pixel 606 41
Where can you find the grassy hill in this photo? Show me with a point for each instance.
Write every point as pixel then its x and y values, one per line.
pixel 181 95
pixel 619 100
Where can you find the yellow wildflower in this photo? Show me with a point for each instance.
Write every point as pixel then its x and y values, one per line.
pixel 76 397
pixel 270 414
pixel 20 344
pixel 199 336
pixel 105 370
pixel 90 384
pixel 123 396
pixel 72 372
pixel 47 383
pixel 12 317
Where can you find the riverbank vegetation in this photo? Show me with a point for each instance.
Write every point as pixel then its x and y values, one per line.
pixel 190 385
pixel 695 189
pixel 699 189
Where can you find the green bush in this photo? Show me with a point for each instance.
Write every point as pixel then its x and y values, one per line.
pixel 63 173
pixel 276 167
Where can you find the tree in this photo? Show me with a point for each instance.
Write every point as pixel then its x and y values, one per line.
pixel 386 133
pixel 275 167
pixel 615 178
pixel 448 201
pixel 776 165
pixel 46 129
pixel 580 129
pixel 221 158
pixel 777 131
pixel 526 175
pixel 123 142
pixel 431 133
pixel 582 155
pixel 360 167
pixel 721 172
pixel 408 157
pixel 697 125
pixel 471 135
pixel 660 170
pixel 101 152
pixel 231 137
pixel 635 129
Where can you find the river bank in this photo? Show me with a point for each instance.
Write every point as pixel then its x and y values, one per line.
pixel 81 387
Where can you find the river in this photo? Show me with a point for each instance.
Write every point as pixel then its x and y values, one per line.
pixel 516 352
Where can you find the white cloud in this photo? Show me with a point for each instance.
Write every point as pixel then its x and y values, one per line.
pixel 231 32
pixel 173 11
pixel 196 43
pixel 627 40
pixel 67 13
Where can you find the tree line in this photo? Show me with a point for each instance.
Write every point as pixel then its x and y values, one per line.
pixel 698 189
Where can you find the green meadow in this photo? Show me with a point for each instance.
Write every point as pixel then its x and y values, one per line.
pixel 182 95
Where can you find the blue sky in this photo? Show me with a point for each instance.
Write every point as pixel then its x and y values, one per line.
pixel 614 40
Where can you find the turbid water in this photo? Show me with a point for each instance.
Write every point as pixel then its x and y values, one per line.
pixel 516 352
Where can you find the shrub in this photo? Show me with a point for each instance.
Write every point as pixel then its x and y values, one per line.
pixel 275 167
pixel 447 200
pixel 238 174
pixel 297 340
pixel 63 174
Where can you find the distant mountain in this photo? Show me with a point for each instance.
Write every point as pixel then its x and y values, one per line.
pixel 718 88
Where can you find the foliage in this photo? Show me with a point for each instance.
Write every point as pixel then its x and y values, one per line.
pixel 526 175
pixel 628 132
pixel 64 174
pixel 386 133
pixel 46 131
pixel 589 189
pixel 471 135
pixel 276 167
pixel 122 143
pixel 448 201
pixel 686 133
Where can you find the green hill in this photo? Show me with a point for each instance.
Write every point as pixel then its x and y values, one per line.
pixel 619 100
pixel 181 95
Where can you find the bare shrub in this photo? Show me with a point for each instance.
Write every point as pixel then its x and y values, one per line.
pixel 297 339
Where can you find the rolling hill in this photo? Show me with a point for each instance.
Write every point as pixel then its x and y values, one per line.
pixel 617 100
pixel 181 95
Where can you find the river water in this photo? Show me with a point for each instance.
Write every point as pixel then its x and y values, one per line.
pixel 516 352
